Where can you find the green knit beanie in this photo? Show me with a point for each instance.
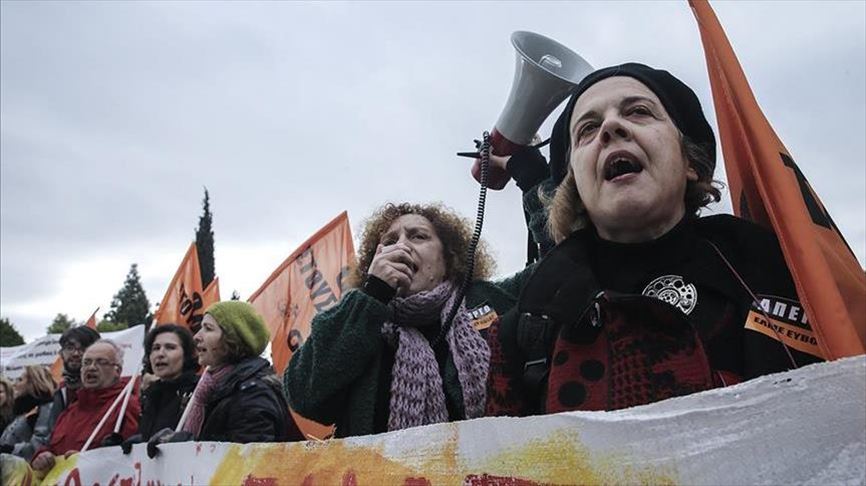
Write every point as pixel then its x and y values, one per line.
pixel 241 320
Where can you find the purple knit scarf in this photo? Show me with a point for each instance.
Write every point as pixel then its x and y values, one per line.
pixel 417 396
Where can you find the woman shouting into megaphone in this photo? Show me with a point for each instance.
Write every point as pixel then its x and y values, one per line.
pixel 642 299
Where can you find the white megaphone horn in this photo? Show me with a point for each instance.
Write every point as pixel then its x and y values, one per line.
pixel 545 74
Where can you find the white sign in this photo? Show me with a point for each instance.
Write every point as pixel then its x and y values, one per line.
pixel 42 351
pixel 45 350
pixel 803 426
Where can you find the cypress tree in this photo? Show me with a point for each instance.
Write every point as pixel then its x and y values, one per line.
pixel 204 242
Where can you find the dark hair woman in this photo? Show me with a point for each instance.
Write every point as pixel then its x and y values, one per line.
pixel 383 358
pixel 238 398
pixel 32 408
pixel 641 299
pixel 170 356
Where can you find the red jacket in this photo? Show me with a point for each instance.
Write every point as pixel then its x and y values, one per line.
pixel 77 422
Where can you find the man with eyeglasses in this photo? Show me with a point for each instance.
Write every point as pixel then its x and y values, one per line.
pixel 73 342
pixel 100 372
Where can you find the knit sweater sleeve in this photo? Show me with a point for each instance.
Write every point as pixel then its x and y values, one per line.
pixel 343 344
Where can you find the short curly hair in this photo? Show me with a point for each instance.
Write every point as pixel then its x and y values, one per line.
pixel 454 231
pixel 567 214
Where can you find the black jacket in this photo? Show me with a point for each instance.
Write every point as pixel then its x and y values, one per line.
pixel 602 325
pixel 248 406
pixel 163 402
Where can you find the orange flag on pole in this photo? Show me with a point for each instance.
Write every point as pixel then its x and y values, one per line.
pixel 309 281
pixel 212 293
pixel 768 188
pixel 91 323
pixel 183 302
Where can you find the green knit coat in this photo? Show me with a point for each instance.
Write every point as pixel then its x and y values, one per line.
pixel 335 377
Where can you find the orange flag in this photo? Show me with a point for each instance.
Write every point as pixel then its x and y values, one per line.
pixel 183 302
pixel 212 293
pixel 309 281
pixel 767 187
pixel 57 369
pixel 91 323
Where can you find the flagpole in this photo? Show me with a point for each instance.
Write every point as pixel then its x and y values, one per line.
pixel 105 417
pixel 182 421
pixel 125 403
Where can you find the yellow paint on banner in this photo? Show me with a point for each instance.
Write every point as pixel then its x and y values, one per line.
pixel 62 468
pixel 559 458
pixel 796 337
pixel 310 463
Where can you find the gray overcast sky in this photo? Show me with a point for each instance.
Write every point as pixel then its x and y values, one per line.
pixel 115 114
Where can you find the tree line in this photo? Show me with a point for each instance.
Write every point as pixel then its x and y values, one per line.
pixel 130 305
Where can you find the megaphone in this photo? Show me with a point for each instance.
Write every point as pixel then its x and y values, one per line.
pixel 546 72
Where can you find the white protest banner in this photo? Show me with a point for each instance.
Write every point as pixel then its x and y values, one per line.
pixel 44 351
pixel 132 342
pixel 803 426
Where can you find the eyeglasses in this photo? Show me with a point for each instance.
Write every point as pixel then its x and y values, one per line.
pixel 101 362
pixel 70 348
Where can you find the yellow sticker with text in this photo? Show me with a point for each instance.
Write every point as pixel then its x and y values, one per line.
pixel 788 323
pixel 483 317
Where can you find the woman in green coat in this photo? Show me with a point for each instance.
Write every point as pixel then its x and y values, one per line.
pixel 381 359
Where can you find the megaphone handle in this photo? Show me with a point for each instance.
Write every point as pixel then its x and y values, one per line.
pixel 496 178
pixel 500 145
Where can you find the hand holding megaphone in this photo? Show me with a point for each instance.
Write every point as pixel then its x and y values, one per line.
pixel 545 74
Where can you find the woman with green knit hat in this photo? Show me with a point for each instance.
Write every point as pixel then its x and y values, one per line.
pixel 239 398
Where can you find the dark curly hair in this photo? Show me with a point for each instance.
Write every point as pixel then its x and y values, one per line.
pixel 190 361
pixel 82 335
pixel 454 231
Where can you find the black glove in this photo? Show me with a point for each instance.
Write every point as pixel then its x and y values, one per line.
pixel 111 440
pixel 126 445
pixel 527 167
pixel 165 436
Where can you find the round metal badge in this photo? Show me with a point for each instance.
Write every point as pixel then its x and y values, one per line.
pixel 674 290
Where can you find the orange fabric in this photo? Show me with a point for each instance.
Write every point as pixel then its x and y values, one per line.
pixel 57 369
pixel 212 293
pixel 184 302
pixel 767 187
pixel 307 282
pixel 91 323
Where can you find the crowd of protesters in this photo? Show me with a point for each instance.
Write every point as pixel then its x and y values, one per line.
pixel 637 300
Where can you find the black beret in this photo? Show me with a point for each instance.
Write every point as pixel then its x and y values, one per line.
pixel 679 100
